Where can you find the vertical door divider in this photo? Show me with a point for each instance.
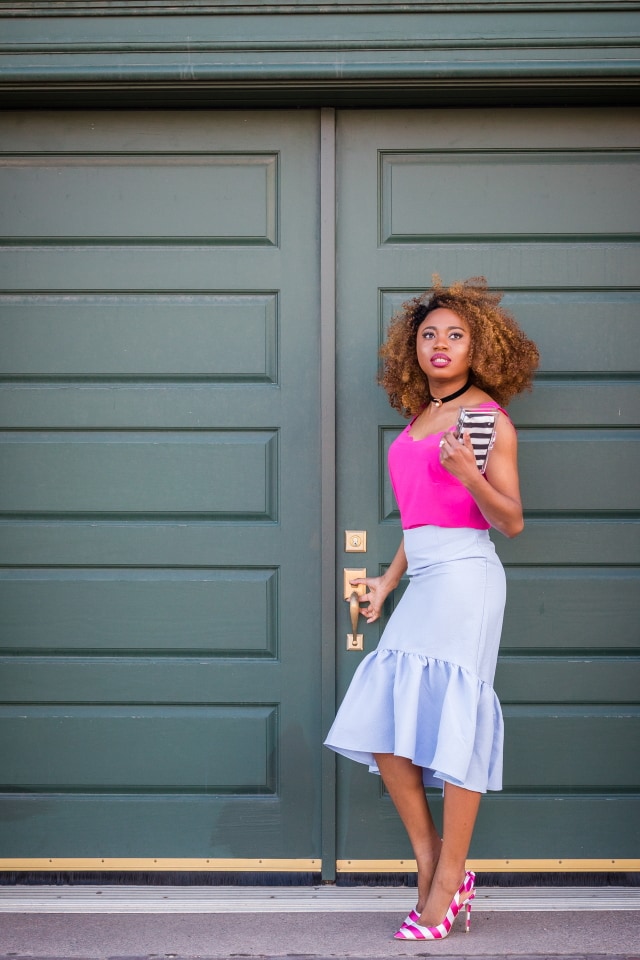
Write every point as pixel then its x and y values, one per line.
pixel 328 475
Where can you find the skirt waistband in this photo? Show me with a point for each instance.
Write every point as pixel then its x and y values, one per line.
pixel 428 545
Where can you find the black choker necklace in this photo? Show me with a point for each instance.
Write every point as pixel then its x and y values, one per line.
pixel 438 401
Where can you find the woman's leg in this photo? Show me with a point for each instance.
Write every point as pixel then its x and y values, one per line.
pixel 459 817
pixel 403 781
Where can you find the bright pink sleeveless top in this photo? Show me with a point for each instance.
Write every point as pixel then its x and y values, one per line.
pixel 426 493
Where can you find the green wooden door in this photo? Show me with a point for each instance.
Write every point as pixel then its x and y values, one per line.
pixel 159 398
pixel 546 205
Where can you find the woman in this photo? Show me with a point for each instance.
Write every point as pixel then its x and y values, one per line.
pixel 421 709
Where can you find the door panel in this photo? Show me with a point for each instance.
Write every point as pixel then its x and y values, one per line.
pixel 178 608
pixel 150 198
pixel 158 429
pixel 552 193
pixel 545 204
pixel 236 334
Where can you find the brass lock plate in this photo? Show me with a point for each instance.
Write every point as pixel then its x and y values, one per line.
pixel 355 541
pixel 357 644
pixel 348 588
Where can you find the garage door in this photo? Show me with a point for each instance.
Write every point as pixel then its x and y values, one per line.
pixel 161 681
pixel 546 205
pixel 159 456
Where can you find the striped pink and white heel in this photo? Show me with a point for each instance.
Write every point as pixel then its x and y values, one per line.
pixel 412 917
pixel 411 930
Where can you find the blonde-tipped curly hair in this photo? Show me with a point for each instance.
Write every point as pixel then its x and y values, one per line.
pixel 503 359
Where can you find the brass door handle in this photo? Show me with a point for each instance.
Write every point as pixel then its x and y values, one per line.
pixel 355 640
pixel 354 611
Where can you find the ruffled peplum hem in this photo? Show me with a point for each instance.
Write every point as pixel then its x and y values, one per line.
pixel 437 714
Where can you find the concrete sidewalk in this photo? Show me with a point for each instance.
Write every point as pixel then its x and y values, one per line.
pixel 169 923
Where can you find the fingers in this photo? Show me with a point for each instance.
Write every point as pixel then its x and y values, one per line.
pixel 455 451
pixel 372 612
pixel 448 445
pixel 371 584
pixel 368 581
pixel 363 596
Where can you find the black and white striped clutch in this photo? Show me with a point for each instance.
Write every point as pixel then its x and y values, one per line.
pixel 481 426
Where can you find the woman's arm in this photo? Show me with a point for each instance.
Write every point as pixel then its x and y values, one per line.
pixel 497 493
pixel 380 587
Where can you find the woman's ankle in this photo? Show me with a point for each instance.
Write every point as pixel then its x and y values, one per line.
pixel 449 878
pixel 427 867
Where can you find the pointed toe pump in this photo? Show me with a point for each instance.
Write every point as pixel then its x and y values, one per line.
pixel 411 930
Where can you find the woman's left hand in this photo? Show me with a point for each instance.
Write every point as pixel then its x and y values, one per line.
pixel 497 491
pixel 457 457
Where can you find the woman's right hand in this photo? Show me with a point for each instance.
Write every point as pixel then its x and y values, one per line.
pixel 379 589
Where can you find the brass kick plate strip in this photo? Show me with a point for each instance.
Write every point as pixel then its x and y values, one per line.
pixel 303 865
pixel 177 864
pixel 564 865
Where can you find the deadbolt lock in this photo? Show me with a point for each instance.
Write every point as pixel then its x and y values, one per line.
pixel 355 541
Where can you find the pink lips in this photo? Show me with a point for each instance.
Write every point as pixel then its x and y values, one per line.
pixel 440 360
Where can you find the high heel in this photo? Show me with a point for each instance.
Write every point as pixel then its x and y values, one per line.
pixel 412 917
pixel 411 930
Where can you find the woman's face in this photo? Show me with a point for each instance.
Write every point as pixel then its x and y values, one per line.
pixel 443 345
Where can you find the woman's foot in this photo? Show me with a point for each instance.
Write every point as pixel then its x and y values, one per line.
pixel 441 894
pixel 413 929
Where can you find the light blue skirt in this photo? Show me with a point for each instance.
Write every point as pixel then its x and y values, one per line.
pixel 426 692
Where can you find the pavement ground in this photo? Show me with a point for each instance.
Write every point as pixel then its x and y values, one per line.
pixel 308 923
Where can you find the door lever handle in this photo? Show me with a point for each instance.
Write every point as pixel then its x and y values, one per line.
pixel 355 640
pixel 354 612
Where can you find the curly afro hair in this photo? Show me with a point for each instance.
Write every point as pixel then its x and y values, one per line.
pixel 503 359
